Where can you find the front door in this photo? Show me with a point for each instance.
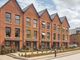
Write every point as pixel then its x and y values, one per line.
pixel 17 45
pixel 34 45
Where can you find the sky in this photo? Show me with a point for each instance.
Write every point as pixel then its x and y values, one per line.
pixel 68 8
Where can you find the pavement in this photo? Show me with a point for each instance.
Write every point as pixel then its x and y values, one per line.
pixel 4 57
pixel 60 56
pixel 71 57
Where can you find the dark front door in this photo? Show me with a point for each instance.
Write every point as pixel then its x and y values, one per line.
pixel 34 45
pixel 17 45
pixel 28 44
pixel 54 45
pixel 48 45
pixel 43 45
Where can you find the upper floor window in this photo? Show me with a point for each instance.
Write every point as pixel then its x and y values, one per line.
pixel 48 25
pixel 54 36
pixel 8 31
pixel 48 35
pixel 54 27
pixel 43 24
pixel 17 32
pixel 63 37
pixel 35 34
pixel 58 36
pixel 17 19
pixel 43 35
pixel 58 28
pixel 8 17
pixel 28 22
pixel 35 23
pixel 28 33
pixel 67 30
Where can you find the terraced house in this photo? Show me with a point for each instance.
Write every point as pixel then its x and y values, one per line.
pixel 45 29
pixel 64 31
pixel 32 29
pixel 11 24
pixel 56 31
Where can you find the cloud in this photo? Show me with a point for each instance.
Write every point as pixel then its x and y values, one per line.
pixel 2 2
pixel 71 9
pixel 68 8
pixel 24 3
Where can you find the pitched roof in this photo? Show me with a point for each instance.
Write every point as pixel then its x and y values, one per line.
pixel 53 15
pixel 41 12
pixel 7 1
pixel 2 3
pixel 26 7
pixel 62 18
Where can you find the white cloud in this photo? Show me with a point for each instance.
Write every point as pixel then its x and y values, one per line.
pixel 71 9
pixel 24 3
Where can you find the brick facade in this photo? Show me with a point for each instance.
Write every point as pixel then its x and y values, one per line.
pixel 46 33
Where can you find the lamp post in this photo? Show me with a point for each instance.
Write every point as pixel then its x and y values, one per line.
pixel 55 52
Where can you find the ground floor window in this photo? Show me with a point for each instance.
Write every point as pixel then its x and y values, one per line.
pixel 7 43
pixel 28 44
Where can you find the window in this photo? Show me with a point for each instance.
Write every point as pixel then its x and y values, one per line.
pixel 67 30
pixel 8 17
pixel 35 34
pixel 7 43
pixel 58 36
pixel 54 27
pixel 43 35
pixel 17 32
pixel 63 37
pixel 35 23
pixel 58 28
pixel 67 37
pixel 48 25
pixel 28 22
pixel 17 19
pixel 8 31
pixel 28 34
pixel 43 24
pixel 48 35
pixel 54 36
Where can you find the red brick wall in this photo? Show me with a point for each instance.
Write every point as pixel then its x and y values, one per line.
pixel 32 14
pixel 65 25
pixel 14 9
pixel 58 23
pixel 45 17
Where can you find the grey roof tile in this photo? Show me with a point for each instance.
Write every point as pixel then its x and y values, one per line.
pixel 53 15
pixel 41 12
pixel 26 7
pixel 62 18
